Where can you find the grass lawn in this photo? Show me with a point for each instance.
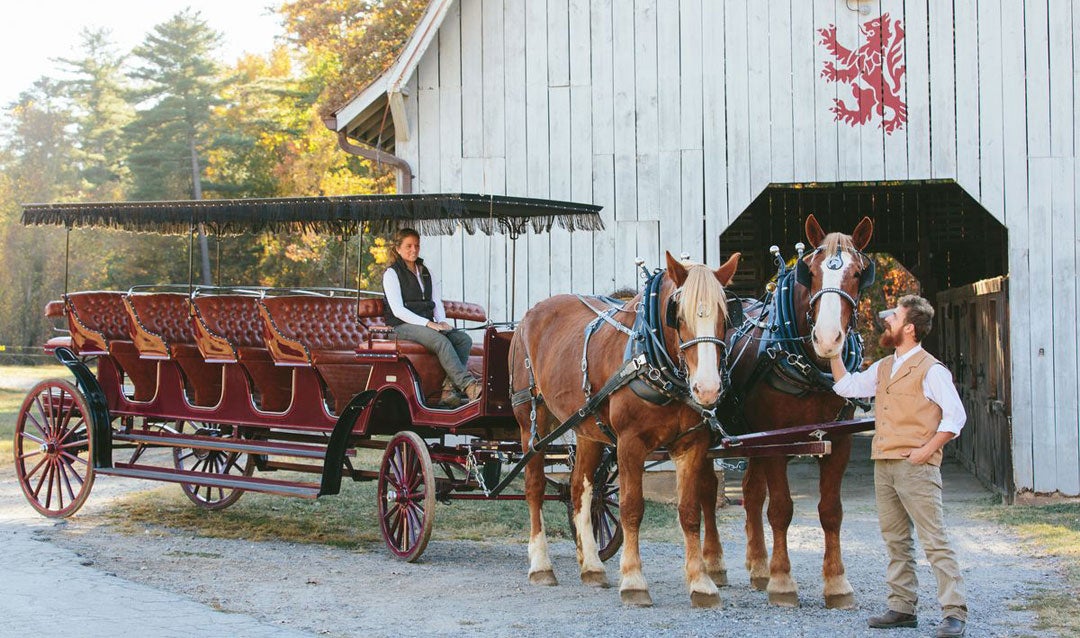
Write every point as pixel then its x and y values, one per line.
pixel 1050 530
pixel 13 383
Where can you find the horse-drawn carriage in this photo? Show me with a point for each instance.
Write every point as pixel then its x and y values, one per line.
pixel 238 382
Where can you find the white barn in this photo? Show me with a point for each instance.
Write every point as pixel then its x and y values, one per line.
pixel 706 126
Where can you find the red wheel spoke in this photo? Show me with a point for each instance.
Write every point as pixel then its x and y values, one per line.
pixel 27 435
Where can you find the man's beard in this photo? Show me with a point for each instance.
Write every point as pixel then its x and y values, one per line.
pixel 887 340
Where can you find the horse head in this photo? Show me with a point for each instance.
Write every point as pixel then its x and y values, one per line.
pixel 834 275
pixel 696 321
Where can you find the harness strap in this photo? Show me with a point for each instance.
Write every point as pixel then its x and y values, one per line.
pixel 628 371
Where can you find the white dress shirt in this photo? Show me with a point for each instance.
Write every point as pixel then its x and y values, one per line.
pixel 392 288
pixel 937 387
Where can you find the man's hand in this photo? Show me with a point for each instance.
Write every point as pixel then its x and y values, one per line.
pixel 921 455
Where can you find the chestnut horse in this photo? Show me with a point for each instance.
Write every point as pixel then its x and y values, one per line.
pixel 563 350
pixel 783 383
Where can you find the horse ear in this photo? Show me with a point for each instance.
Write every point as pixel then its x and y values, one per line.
pixel 861 237
pixel 814 234
pixel 724 274
pixel 675 269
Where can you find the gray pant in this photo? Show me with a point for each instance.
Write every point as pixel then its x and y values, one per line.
pixel 909 498
pixel 452 349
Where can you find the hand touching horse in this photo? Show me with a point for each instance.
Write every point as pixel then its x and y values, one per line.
pixel 782 383
pixel 569 349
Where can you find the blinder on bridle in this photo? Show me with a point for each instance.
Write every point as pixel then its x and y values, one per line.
pixel 805 277
pixel 671 320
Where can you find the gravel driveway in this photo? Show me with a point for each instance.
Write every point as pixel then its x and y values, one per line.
pixel 480 588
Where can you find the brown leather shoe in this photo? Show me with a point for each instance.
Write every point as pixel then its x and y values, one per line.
pixel 892 620
pixel 450 397
pixel 472 391
pixel 950 628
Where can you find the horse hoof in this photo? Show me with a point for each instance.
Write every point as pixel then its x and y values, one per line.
pixel 759 583
pixel 636 597
pixel 595 579
pixel 840 601
pixel 704 601
pixel 719 578
pixel 784 599
pixel 546 578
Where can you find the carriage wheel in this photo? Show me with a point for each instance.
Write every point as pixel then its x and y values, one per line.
pixel 52 448
pixel 406 496
pixel 211 462
pixel 604 511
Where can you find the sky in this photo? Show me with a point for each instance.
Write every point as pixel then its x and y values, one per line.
pixel 36 32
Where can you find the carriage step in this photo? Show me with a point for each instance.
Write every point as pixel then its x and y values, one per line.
pixel 219 444
pixel 246 483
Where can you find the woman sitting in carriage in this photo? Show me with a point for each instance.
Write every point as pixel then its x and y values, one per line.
pixel 414 309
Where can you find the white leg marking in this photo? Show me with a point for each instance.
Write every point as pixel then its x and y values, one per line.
pixel 539 558
pixel 590 554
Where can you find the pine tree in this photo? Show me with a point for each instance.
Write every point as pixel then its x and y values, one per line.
pixel 96 92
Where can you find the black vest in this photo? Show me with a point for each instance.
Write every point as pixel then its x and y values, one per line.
pixel 416 300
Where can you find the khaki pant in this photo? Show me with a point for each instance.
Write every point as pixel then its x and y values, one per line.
pixel 909 497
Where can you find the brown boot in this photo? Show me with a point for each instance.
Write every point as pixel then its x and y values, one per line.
pixel 450 398
pixel 472 391
pixel 893 619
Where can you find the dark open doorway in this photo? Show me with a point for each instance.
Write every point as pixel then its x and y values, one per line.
pixel 948 241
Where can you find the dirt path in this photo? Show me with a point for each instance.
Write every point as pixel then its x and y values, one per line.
pixel 480 588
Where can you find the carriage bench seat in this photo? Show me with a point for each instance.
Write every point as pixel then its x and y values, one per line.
pixel 229 329
pixel 161 329
pixel 99 325
pixel 319 332
pixel 429 371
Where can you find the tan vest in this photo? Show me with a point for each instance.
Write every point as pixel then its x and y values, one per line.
pixel 905 418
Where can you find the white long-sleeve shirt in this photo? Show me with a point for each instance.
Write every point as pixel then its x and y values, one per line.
pixel 392 289
pixel 937 387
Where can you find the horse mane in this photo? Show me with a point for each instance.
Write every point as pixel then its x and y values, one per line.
pixel 835 242
pixel 701 291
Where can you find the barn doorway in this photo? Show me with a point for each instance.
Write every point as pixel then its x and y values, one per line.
pixel 958 253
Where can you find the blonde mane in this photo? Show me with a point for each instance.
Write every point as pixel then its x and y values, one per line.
pixel 835 242
pixel 701 293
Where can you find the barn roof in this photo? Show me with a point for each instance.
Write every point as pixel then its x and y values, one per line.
pixel 376 116
pixel 431 214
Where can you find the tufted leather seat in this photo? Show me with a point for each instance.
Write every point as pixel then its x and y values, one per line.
pixel 323 332
pixel 429 371
pixel 99 324
pixel 161 329
pixel 229 329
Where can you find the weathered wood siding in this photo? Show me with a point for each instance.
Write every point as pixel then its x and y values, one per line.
pixel 675 114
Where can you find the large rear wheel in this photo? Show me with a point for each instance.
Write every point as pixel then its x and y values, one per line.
pixel 52 448
pixel 406 496
pixel 211 462
pixel 604 509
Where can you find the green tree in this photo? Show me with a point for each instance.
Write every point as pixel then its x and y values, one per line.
pixel 96 92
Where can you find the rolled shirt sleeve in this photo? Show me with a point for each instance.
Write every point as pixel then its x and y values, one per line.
pixel 858 385
pixel 392 290
pixel 938 387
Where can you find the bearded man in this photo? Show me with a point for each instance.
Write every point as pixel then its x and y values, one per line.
pixel 917 411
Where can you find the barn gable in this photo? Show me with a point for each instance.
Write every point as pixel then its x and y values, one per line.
pixel 677 115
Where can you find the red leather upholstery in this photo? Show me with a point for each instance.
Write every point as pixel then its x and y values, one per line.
pixel 54 309
pixel 161 329
pixel 229 328
pixel 99 323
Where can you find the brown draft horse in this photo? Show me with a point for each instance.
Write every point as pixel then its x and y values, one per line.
pixel 552 337
pixel 824 305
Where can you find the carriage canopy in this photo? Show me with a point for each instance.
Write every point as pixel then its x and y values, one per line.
pixel 431 214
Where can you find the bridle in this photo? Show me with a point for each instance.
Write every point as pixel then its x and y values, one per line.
pixel 834 262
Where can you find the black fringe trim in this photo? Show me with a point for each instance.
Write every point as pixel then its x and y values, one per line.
pixel 430 214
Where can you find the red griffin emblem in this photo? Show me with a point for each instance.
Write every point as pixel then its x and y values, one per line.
pixel 875 71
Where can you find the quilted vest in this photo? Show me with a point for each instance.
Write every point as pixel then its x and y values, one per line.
pixel 904 418
pixel 415 299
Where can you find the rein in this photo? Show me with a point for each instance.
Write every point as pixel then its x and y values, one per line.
pixel 646 362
